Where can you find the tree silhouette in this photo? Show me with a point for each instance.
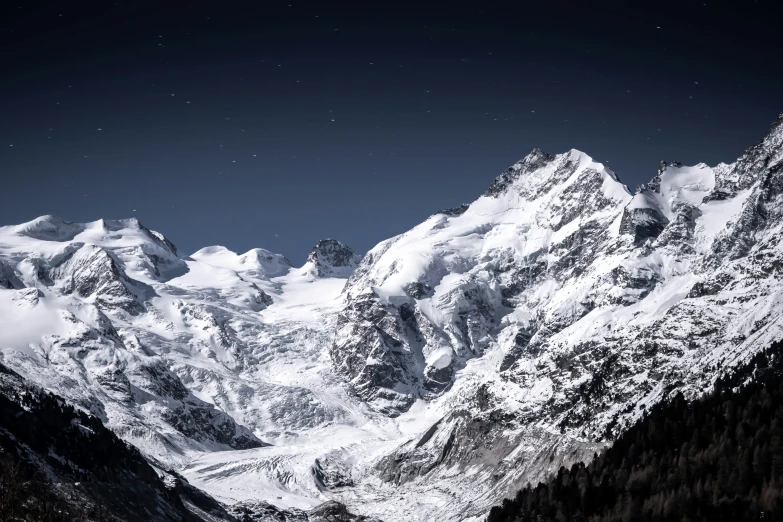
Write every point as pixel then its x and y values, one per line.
pixel 716 459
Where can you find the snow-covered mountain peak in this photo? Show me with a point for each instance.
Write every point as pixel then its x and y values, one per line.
pixel 56 229
pixel 257 262
pixel 146 255
pixel 533 158
pixel 331 258
pixel 571 172
pixel 47 228
pixel 554 237
pixel 475 352
pixel 438 289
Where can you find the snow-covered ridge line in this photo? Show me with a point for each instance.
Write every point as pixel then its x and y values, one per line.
pixel 560 300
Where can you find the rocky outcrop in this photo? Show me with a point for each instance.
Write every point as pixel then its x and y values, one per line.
pixel 93 273
pixel 643 221
pixel 331 511
pixel 330 257
pixel 764 156
pixel 192 417
pixel 8 278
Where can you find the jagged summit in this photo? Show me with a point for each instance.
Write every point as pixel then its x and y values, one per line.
pixel 534 157
pixel 331 258
pixel 539 173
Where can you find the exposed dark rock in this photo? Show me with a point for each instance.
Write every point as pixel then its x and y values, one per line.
pixel 91 271
pixel 331 511
pixel 642 223
pixel 710 287
pixel 418 290
pixel 534 159
pixel 191 416
pixel 331 257
pixel 454 211
pixel 8 277
pixel 330 474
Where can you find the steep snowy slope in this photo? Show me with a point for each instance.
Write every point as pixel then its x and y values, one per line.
pixel 455 362
pixel 590 303
pixel 72 329
pixel 187 357
pixel 440 292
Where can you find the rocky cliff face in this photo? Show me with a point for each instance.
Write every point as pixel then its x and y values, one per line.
pixel 421 305
pixel 560 300
pixel 331 258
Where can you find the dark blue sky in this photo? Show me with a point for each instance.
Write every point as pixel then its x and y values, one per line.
pixel 275 124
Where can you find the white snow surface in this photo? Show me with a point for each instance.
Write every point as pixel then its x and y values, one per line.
pixel 233 368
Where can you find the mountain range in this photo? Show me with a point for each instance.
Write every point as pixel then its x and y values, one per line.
pixel 428 379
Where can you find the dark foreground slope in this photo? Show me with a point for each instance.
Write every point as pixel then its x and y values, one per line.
pixel 58 463
pixel 715 459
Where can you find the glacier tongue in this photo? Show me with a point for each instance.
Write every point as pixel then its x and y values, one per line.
pixel 427 380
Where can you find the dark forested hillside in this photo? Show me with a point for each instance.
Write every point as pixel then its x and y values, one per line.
pixel 60 464
pixel 715 459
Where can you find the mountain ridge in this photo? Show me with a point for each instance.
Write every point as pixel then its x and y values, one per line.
pixel 451 364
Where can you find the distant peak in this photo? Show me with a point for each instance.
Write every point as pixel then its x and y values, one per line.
pixel 264 256
pixel 534 157
pixel 330 257
pixel 50 218
pixel 257 261
pixel 537 163
pixel 47 219
pixel 215 249
pixel 119 224
pixel 578 154
pixel 49 228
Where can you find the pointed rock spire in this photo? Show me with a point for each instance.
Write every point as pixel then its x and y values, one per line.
pixel 332 258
